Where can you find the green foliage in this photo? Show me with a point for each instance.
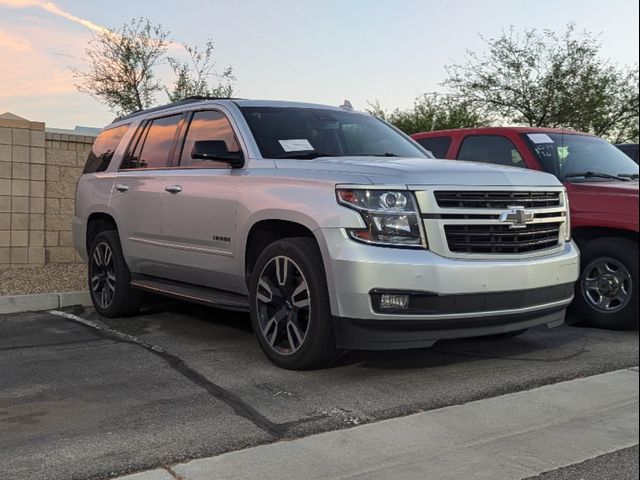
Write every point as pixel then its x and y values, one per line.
pixel 432 112
pixel 192 78
pixel 123 63
pixel 542 79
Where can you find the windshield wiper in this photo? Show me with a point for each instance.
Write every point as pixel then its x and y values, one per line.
pixel 633 176
pixel 596 175
pixel 385 154
pixel 306 155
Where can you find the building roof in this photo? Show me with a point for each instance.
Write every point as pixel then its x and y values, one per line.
pixel 11 116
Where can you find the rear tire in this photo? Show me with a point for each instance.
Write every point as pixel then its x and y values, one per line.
pixel 289 302
pixel 607 292
pixel 110 279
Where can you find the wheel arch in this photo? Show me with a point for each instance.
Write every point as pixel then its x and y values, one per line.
pixel 266 231
pixel 583 235
pixel 98 222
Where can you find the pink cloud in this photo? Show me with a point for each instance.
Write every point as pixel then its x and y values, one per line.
pixel 27 70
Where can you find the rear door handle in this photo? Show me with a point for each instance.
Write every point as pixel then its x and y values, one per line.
pixel 173 188
pixel 122 188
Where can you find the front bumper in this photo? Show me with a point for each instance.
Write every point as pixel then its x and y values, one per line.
pixel 355 271
pixel 358 334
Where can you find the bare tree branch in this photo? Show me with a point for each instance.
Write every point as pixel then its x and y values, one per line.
pixel 193 77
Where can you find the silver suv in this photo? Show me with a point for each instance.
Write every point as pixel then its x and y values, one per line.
pixel 332 228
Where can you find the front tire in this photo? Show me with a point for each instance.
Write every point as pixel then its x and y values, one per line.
pixel 607 292
pixel 109 278
pixel 290 310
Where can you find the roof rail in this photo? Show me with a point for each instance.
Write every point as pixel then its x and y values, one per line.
pixel 192 99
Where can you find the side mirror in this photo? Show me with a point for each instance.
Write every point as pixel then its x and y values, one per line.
pixel 216 150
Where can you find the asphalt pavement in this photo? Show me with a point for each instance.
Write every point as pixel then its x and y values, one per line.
pixel 109 397
pixel 619 465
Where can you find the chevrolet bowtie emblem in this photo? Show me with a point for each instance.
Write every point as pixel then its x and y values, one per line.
pixel 518 217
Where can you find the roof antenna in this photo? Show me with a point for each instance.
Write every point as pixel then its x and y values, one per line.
pixel 347 105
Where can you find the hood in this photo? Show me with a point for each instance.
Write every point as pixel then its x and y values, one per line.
pixel 422 171
pixel 607 188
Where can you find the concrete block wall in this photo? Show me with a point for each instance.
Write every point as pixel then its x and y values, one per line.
pixel 22 191
pixel 65 156
pixel 38 175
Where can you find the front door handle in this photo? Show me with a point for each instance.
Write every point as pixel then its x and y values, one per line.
pixel 173 188
pixel 122 188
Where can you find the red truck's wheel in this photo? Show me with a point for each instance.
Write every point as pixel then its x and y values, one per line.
pixel 607 292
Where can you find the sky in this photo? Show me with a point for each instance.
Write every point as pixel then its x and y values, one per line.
pixel 321 51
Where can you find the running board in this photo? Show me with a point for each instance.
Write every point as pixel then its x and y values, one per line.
pixel 191 293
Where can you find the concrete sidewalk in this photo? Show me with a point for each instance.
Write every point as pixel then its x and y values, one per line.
pixel 508 437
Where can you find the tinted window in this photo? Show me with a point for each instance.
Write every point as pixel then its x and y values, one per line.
pixel 490 149
pixel 296 132
pixel 157 142
pixel 208 125
pixel 630 150
pixel 103 149
pixel 439 146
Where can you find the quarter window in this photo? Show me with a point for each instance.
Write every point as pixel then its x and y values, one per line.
pixel 207 125
pixel 103 149
pixel 158 138
pixel 491 149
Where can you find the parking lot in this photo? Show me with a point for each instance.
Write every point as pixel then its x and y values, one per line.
pixel 109 397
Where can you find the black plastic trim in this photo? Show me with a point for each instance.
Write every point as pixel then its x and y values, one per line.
pixel 429 303
pixel 366 334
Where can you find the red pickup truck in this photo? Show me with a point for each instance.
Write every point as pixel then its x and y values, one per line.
pixel 602 183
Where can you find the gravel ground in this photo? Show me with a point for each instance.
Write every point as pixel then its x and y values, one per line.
pixel 57 277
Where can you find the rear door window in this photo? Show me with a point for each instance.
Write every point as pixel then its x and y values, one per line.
pixel 439 146
pixel 103 149
pixel 156 144
pixel 491 149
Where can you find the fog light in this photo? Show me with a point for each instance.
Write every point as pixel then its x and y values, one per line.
pixel 392 301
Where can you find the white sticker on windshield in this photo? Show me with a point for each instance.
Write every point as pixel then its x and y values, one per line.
pixel 296 145
pixel 540 138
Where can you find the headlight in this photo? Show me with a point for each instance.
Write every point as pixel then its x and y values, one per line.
pixel 391 217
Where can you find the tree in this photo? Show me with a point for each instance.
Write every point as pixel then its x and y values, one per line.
pixel 542 79
pixel 432 112
pixel 122 66
pixel 192 77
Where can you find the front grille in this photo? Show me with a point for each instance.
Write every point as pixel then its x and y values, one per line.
pixel 501 239
pixel 496 199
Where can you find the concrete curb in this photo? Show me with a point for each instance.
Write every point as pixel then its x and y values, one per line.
pixel 43 301
pixel 512 436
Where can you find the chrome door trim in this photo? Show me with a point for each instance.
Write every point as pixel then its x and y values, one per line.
pixel 209 251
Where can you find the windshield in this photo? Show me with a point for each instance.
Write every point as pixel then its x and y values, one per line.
pixel 292 132
pixel 580 157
